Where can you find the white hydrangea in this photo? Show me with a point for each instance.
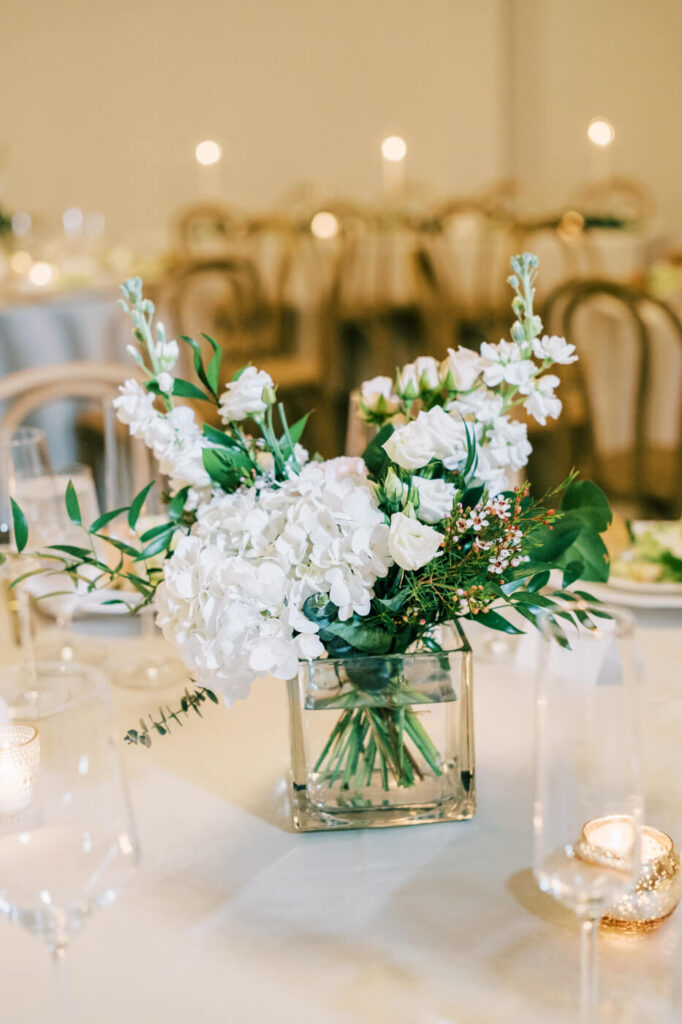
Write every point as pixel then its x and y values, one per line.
pixel 234 589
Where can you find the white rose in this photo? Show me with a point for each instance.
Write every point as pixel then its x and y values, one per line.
pixel 407 382
pixel 377 396
pixel 244 397
pixel 412 446
pixel 461 369
pixel 412 544
pixel 435 499
pixel 428 376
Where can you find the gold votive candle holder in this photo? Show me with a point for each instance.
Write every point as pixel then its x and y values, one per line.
pixel 657 891
pixel 19 767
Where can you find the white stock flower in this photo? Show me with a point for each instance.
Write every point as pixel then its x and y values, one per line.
pixel 377 396
pixel 508 443
pixel 555 349
pixel 167 354
pixel 461 369
pixel 165 382
pixel 135 407
pixel 412 544
pixel 506 364
pixel 541 401
pixel 481 405
pixel 435 499
pixel 244 397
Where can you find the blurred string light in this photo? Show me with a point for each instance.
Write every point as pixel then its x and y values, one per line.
pixel 208 152
pixel 324 225
pixel 601 132
pixel 72 219
pixel 394 148
pixel 20 262
pixel 21 223
pixel 41 274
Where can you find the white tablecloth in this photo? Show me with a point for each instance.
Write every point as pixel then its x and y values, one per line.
pixel 233 919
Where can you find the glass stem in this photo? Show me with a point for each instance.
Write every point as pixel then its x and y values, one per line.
pixel 65 990
pixel 589 979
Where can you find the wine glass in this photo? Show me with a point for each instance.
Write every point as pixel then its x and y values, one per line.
pixel 588 803
pixel 25 476
pixel 67 838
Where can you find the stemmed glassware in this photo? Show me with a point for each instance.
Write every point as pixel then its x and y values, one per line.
pixel 588 802
pixel 67 838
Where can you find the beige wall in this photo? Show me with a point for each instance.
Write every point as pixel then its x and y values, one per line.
pixel 617 58
pixel 104 101
pixel 109 98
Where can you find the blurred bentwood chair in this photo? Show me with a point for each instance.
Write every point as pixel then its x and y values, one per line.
pixel 628 381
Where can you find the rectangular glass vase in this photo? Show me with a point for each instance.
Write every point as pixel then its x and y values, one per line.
pixel 383 740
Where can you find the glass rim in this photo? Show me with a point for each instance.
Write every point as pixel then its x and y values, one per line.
pixel 623 617
pixel 19 726
pixel 21 436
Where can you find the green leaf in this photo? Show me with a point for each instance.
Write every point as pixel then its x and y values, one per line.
pixel 121 545
pixel 571 573
pixel 538 581
pixel 369 639
pixel 374 456
pixel 547 545
pixel 136 505
pixel 183 389
pixel 72 506
pixel 590 502
pixel 296 431
pixel 20 526
pixel 494 620
pixel 156 531
pixel 213 369
pixel 105 519
pixel 220 437
pixel 71 549
pixel 227 468
pixel 159 544
pixel 177 505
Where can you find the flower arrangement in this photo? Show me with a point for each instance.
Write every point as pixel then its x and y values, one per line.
pixel 268 557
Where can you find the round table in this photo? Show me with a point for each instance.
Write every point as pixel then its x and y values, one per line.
pixel 234 919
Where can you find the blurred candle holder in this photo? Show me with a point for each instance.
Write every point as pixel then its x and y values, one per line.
pixel 657 892
pixel 19 767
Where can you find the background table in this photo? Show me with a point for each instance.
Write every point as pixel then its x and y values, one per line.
pixel 59 328
pixel 233 918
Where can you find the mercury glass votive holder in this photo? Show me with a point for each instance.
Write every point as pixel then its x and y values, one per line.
pixel 657 892
pixel 19 767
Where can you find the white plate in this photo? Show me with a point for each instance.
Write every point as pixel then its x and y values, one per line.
pixel 635 595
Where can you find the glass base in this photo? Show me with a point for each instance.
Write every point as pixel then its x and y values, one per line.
pixel 311 817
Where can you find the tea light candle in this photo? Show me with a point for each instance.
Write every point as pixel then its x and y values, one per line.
pixel 19 765
pixel 601 134
pixel 393 153
pixel 657 892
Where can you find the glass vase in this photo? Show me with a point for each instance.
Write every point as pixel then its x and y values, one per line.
pixel 381 740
